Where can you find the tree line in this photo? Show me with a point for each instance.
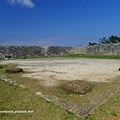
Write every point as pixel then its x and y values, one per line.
pixel 104 40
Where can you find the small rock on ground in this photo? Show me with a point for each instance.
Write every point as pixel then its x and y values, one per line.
pixel 13 70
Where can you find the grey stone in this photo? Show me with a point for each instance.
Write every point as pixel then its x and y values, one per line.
pixel 1 66
pixel 106 94
pixel 97 100
pixel 66 105
pixel 76 87
pixel 35 51
pixel 84 110
pixel 50 98
pixel 113 89
pixel 13 70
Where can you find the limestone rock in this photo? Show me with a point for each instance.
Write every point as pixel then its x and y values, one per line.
pixel 14 70
pixel 1 66
pixel 76 87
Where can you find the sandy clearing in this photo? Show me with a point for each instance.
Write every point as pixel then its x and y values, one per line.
pixel 51 70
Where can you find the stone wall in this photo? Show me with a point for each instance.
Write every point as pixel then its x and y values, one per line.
pixel 104 49
pixel 33 51
pixel 36 51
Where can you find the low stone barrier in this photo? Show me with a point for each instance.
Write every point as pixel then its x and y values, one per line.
pixel 36 51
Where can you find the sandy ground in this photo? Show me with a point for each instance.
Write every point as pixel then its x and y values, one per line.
pixel 51 70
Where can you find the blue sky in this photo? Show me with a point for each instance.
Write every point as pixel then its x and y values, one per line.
pixel 58 22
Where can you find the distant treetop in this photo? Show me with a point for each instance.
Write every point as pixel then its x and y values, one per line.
pixel 104 40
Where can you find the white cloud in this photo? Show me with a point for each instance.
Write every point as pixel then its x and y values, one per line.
pixel 26 3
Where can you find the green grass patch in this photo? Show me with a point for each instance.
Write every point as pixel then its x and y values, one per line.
pixel 1 59
pixel 93 56
pixel 14 98
pixel 110 110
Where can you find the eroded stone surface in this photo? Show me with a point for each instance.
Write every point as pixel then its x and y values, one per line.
pixel 76 87
pixel 1 66
pixel 13 70
pixel 106 94
pixel 97 100
pixel 22 86
pixel 84 110
pixel 113 89
pixel 3 77
pixel 38 93
pixel 50 98
pixel 66 105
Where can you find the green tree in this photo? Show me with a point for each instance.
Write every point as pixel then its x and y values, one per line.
pixel 114 39
pixel 111 39
pixel 89 44
pixel 104 40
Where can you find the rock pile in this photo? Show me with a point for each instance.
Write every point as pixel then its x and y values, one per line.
pixel 76 87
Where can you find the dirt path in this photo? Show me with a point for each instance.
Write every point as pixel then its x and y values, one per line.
pixel 51 70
